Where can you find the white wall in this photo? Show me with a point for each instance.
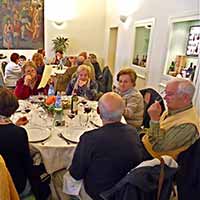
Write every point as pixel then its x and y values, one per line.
pixel 161 10
pixel 86 31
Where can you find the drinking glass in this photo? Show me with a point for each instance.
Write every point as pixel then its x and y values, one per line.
pixel 71 116
pixel 87 109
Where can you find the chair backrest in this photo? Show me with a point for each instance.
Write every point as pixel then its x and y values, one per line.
pixel 3 66
pixel 154 96
pixel 7 187
pixel 188 175
pixel 151 179
pixel 107 80
pixel 1 78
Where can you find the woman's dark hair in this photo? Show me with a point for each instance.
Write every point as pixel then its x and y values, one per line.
pixel 59 51
pixel 8 102
pixel 14 57
pixel 128 71
pixel 22 57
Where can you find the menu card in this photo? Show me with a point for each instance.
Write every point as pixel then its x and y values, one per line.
pixel 46 76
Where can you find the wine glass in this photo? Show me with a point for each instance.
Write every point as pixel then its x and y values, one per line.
pixel 41 96
pixel 71 116
pixel 87 109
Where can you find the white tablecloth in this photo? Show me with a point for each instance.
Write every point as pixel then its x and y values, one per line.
pixel 55 152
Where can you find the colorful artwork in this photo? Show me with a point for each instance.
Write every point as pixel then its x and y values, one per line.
pixel 21 24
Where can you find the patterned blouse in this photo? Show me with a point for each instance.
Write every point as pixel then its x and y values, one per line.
pixel 89 90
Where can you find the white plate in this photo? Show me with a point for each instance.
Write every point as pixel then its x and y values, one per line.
pixel 73 133
pixel 37 134
pixel 36 99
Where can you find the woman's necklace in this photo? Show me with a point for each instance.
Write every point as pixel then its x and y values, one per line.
pixel 5 120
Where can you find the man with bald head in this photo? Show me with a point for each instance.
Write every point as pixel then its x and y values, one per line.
pixel 178 128
pixel 104 155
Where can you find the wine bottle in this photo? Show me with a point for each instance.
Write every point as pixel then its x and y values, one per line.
pixel 58 115
pixel 74 104
pixel 172 67
pixel 136 60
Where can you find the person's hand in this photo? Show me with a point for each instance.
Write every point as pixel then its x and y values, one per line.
pixel 21 121
pixel 155 111
pixel 82 83
pixel 27 80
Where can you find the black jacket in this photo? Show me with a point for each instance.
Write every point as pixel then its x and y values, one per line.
pixel 107 80
pixel 155 96
pixel 188 176
pixel 142 184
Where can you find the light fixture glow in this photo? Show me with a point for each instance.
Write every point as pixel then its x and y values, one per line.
pixel 128 7
pixel 60 10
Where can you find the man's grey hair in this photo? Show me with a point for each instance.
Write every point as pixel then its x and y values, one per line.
pixel 114 115
pixel 185 87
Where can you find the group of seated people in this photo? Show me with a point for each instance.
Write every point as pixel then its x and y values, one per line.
pixel 15 70
pixel 102 166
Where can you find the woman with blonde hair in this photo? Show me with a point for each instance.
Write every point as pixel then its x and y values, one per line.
pixel 133 99
pixel 83 85
pixel 28 84
pixel 39 62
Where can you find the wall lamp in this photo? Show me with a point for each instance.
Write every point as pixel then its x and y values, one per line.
pixel 123 18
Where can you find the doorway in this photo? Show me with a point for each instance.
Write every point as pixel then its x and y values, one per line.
pixel 112 48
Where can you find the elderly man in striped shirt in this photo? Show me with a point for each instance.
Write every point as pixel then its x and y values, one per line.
pixel 176 129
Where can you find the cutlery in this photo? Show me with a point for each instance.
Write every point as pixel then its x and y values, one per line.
pixel 66 140
pixel 46 140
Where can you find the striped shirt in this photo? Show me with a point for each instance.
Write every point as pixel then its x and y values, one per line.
pixel 173 138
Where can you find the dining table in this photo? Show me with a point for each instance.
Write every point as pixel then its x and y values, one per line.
pixel 54 144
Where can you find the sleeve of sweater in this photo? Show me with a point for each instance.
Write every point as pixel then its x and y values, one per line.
pixel 132 103
pixel 91 92
pixel 82 158
pixel 7 186
pixel 22 91
pixel 175 137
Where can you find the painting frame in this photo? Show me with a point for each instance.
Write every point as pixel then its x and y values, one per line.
pixel 22 24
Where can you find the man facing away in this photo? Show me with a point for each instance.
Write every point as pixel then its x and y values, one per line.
pixel 178 128
pixel 105 155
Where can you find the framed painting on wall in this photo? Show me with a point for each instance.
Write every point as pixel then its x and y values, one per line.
pixel 21 24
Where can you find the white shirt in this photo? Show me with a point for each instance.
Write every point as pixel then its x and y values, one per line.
pixel 13 72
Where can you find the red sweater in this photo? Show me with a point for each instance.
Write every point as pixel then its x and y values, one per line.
pixel 23 91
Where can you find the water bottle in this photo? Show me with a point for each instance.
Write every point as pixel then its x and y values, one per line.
pixel 58 111
pixel 58 103
pixel 51 90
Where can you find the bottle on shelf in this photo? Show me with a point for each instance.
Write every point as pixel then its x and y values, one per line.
pixel 189 70
pixel 193 73
pixel 74 104
pixel 172 67
pixel 136 60
pixel 51 91
pixel 143 61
